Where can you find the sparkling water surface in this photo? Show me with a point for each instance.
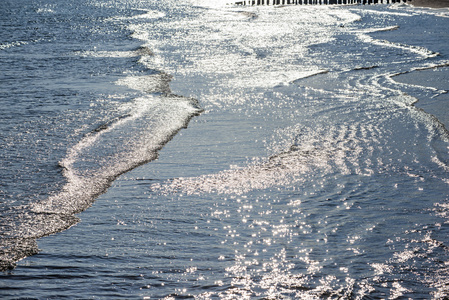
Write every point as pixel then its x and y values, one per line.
pixel 202 150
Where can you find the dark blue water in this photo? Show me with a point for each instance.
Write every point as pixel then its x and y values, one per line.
pixel 200 150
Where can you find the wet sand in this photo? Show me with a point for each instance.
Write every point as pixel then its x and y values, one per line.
pixel 431 3
pixel 437 78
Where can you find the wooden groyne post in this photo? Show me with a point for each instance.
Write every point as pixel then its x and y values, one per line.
pixel 315 2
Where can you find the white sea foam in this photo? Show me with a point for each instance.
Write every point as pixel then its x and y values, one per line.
pixel 324 149
pixel 45 10
pixel 156 83
pixel 143 51
pixel 378 29
pixel 12 44
pixel 112 54
pixel 211 3
pixel 146 14
pixel 149 14
pixel 101 156
pixel 421 51
pixel 436 91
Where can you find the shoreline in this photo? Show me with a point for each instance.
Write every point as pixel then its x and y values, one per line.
pixel 436 78
pixel 430 3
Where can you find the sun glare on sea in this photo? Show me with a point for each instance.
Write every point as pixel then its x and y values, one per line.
pixel 212 3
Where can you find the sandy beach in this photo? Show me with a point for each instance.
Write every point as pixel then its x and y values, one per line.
pixel 431 3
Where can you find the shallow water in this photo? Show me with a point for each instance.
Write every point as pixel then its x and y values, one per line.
pixel 307 169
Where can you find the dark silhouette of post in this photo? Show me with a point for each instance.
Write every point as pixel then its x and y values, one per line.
pixel 315 2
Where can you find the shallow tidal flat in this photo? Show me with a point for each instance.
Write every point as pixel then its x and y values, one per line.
pixel 436 79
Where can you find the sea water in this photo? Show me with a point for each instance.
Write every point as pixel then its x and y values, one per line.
pixel 195 149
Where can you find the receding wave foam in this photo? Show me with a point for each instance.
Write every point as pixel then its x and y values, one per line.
pixel 91 166
pixel 423 85
pixel 338 149
pixel 146 14
pixel 156 83
pixel 141 51
pixel 380 29
pixel 150 14
pixel 421 51
pixel 146 125
pixel 106 153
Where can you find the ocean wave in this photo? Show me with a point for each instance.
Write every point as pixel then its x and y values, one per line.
pixel 421 51
pixel 155 83
pixel 144 14
pixel 91 165
pixel 149 14
pixel 130 141
pixel 423 85
pixel 330 150
pixel 141 51
pixel 378 29
pixel 12 44
pixel 309 74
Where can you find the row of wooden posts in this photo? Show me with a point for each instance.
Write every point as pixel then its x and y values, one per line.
pixel 315 2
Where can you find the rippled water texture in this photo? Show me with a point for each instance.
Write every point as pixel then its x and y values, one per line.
pixel 232 153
